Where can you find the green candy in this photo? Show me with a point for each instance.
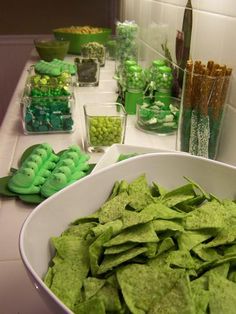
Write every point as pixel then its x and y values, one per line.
pixel 71 166
pixel 34 170
pixel 104 130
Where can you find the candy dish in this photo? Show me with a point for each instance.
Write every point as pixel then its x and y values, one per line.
pixel 105 125
pixel 78 36
pixel 82 198
pixel 51 49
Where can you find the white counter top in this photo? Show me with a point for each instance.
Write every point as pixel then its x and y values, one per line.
pixel 17 295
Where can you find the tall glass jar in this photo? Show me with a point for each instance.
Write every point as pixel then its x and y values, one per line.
pixel 127 47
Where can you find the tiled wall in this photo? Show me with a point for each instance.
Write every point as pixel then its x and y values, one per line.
pixel 213 38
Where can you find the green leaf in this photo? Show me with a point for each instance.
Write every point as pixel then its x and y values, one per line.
pixel 91 166
pixel 31 198
pixel 26 153
pixel 4 187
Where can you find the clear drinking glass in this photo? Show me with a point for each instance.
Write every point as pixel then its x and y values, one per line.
pixel 105 125
pixel 202 108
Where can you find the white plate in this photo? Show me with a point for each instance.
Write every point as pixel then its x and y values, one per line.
pixel 112 154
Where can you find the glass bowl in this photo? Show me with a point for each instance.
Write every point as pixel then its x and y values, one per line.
pixel 49 49
pixel 158 116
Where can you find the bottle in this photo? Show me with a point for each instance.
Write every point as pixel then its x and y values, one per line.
pixel 135 85
pixel 164 82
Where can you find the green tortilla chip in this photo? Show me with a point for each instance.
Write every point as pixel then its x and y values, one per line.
pixel 115 225
pixel 165 245
pixel 113 209
pixel 91 306
pixel 72 248
pixel 109 295
pixel 190 204
pixel 162 225
pixel 226 235
pixel 222 295
pixel 140 200
pixel 161 211
pixel 96 250
pixel 90 218
pixel 141 286
pixel 209 215
pixel 115 190
pixel 151 249
pixel 158 190
pixel 178 195
pixel 92 285
pixel 138 234
pixel 131 218
pixel 80 231
pixel 48 277
pixel 177 300
pixel 67 282
pixel 201 298
pixel 182 259
pixel 189 239
pixel 111 261
pixel 119 248
pixel 199 188
pixel 123 186
pixel 206 254
pixel 139 185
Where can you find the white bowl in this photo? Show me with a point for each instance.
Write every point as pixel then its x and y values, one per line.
pixel 85 196
pixel 114 151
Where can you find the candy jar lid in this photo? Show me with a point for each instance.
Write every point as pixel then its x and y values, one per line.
pixel 165 69
pixel 135 68
pixel 130 62
pixel 158 63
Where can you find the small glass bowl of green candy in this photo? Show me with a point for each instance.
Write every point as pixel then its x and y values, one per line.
pixel 105 125
pixel 158 116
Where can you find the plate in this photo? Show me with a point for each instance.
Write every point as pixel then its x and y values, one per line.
pixel 112 154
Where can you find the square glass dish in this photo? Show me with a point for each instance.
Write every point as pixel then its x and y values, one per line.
pixel 105 125
pixel 48 104
pixel 88 71
pixel 48 114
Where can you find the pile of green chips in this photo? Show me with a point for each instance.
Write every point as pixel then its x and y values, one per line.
pixel 149 250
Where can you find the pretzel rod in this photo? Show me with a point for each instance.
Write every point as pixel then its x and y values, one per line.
pixel 215 102
pixel 196 83
pixel 188 85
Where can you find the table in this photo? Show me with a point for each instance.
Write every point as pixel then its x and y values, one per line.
pixel 17 294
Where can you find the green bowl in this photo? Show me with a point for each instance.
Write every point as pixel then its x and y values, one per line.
pixel 77 40
pixel 51 49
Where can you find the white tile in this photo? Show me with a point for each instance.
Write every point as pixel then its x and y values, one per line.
pixel 18 295
pixel 227 144
pixel 159 24
pixel 12 217
pixel 208 32
pixel 223 7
